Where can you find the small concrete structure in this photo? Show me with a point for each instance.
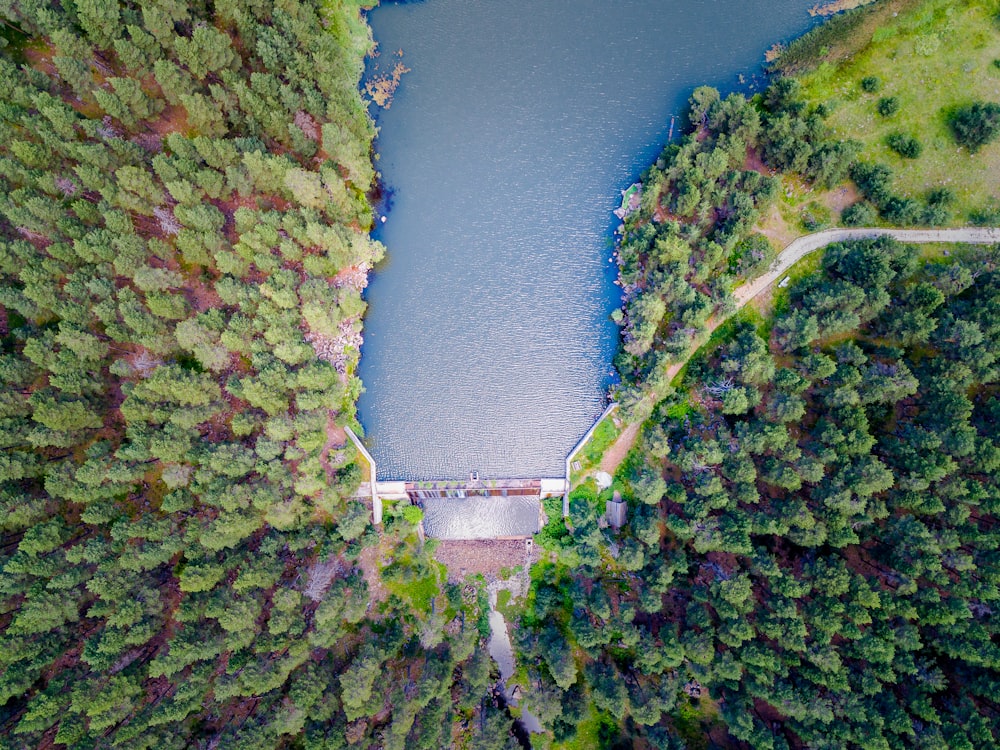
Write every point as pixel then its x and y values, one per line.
pixel 473 509
pixel 392 490
pixel 616 510
pixel 553 487
pixel 477 488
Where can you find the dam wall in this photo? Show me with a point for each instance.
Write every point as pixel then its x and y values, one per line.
pixel 475 508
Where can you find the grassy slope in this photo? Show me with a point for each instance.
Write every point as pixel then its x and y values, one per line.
pixel 932 56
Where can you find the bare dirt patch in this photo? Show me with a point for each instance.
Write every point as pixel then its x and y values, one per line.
pixel 776 228
pixel 370 562
pixel 838 200
pixel 202 296
pixel 39 56
pixel 336 440
pixel 173 119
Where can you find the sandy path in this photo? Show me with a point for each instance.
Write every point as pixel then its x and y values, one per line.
pixel 615 453
pixel 792 254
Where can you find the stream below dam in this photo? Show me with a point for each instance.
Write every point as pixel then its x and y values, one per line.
pixel 513 128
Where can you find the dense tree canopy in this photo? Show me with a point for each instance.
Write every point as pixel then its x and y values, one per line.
pixel 183 227
pixel 811 557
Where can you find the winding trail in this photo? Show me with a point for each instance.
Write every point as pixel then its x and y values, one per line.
pixel 792 254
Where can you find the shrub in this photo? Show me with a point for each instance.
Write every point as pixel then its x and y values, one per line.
pixel 987 216
pixel 871 84
pixel 831 162
pixel 975 125
pixel 874 181
pixel 751 256
pixel 935 215
pixel 784 96
pixel 412 514
pixel 860 214
pixel 937 211
pixel 815 216
pixel 941 196
pixel 905 145
pixel 888 106
pixel 902 211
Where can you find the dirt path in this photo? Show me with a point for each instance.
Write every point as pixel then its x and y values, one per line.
pixel 615 454
pixel 792 254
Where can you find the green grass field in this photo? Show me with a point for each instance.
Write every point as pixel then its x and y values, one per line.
pixel 932 57
pixel 590 456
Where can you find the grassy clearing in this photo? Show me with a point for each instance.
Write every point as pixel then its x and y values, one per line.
pixel 418 593
pixel 694 721
pixel 933 56
pixel 590 455
pixel 503 604
pixel 777 302
pixel 587 734
pixel 840 37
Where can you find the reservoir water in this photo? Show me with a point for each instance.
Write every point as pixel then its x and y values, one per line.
pixel 488 343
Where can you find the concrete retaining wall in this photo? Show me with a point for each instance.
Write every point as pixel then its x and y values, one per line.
pixel 376 500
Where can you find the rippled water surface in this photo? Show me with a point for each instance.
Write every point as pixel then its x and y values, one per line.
pixel 488 344
pixel 481 517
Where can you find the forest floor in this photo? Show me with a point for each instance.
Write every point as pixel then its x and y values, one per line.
pixel 788 257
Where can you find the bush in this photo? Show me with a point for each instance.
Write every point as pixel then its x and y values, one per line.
pixel 815 216
pixel 935 215
pixel 871 84
pixel 751 256
pixel 888 106
pixel 905 145
pixel 874 181
pixel 937 211
pixel 903 211
pixel 975 125
pixel 941 196
pixel 412 514
pixel 784 96
pixel 987 216
pixel 860 214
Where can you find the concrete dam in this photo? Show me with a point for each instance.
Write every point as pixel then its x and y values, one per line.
pixel 475 508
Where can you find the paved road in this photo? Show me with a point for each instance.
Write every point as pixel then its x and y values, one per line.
pixel 792 254
pixel 801 247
